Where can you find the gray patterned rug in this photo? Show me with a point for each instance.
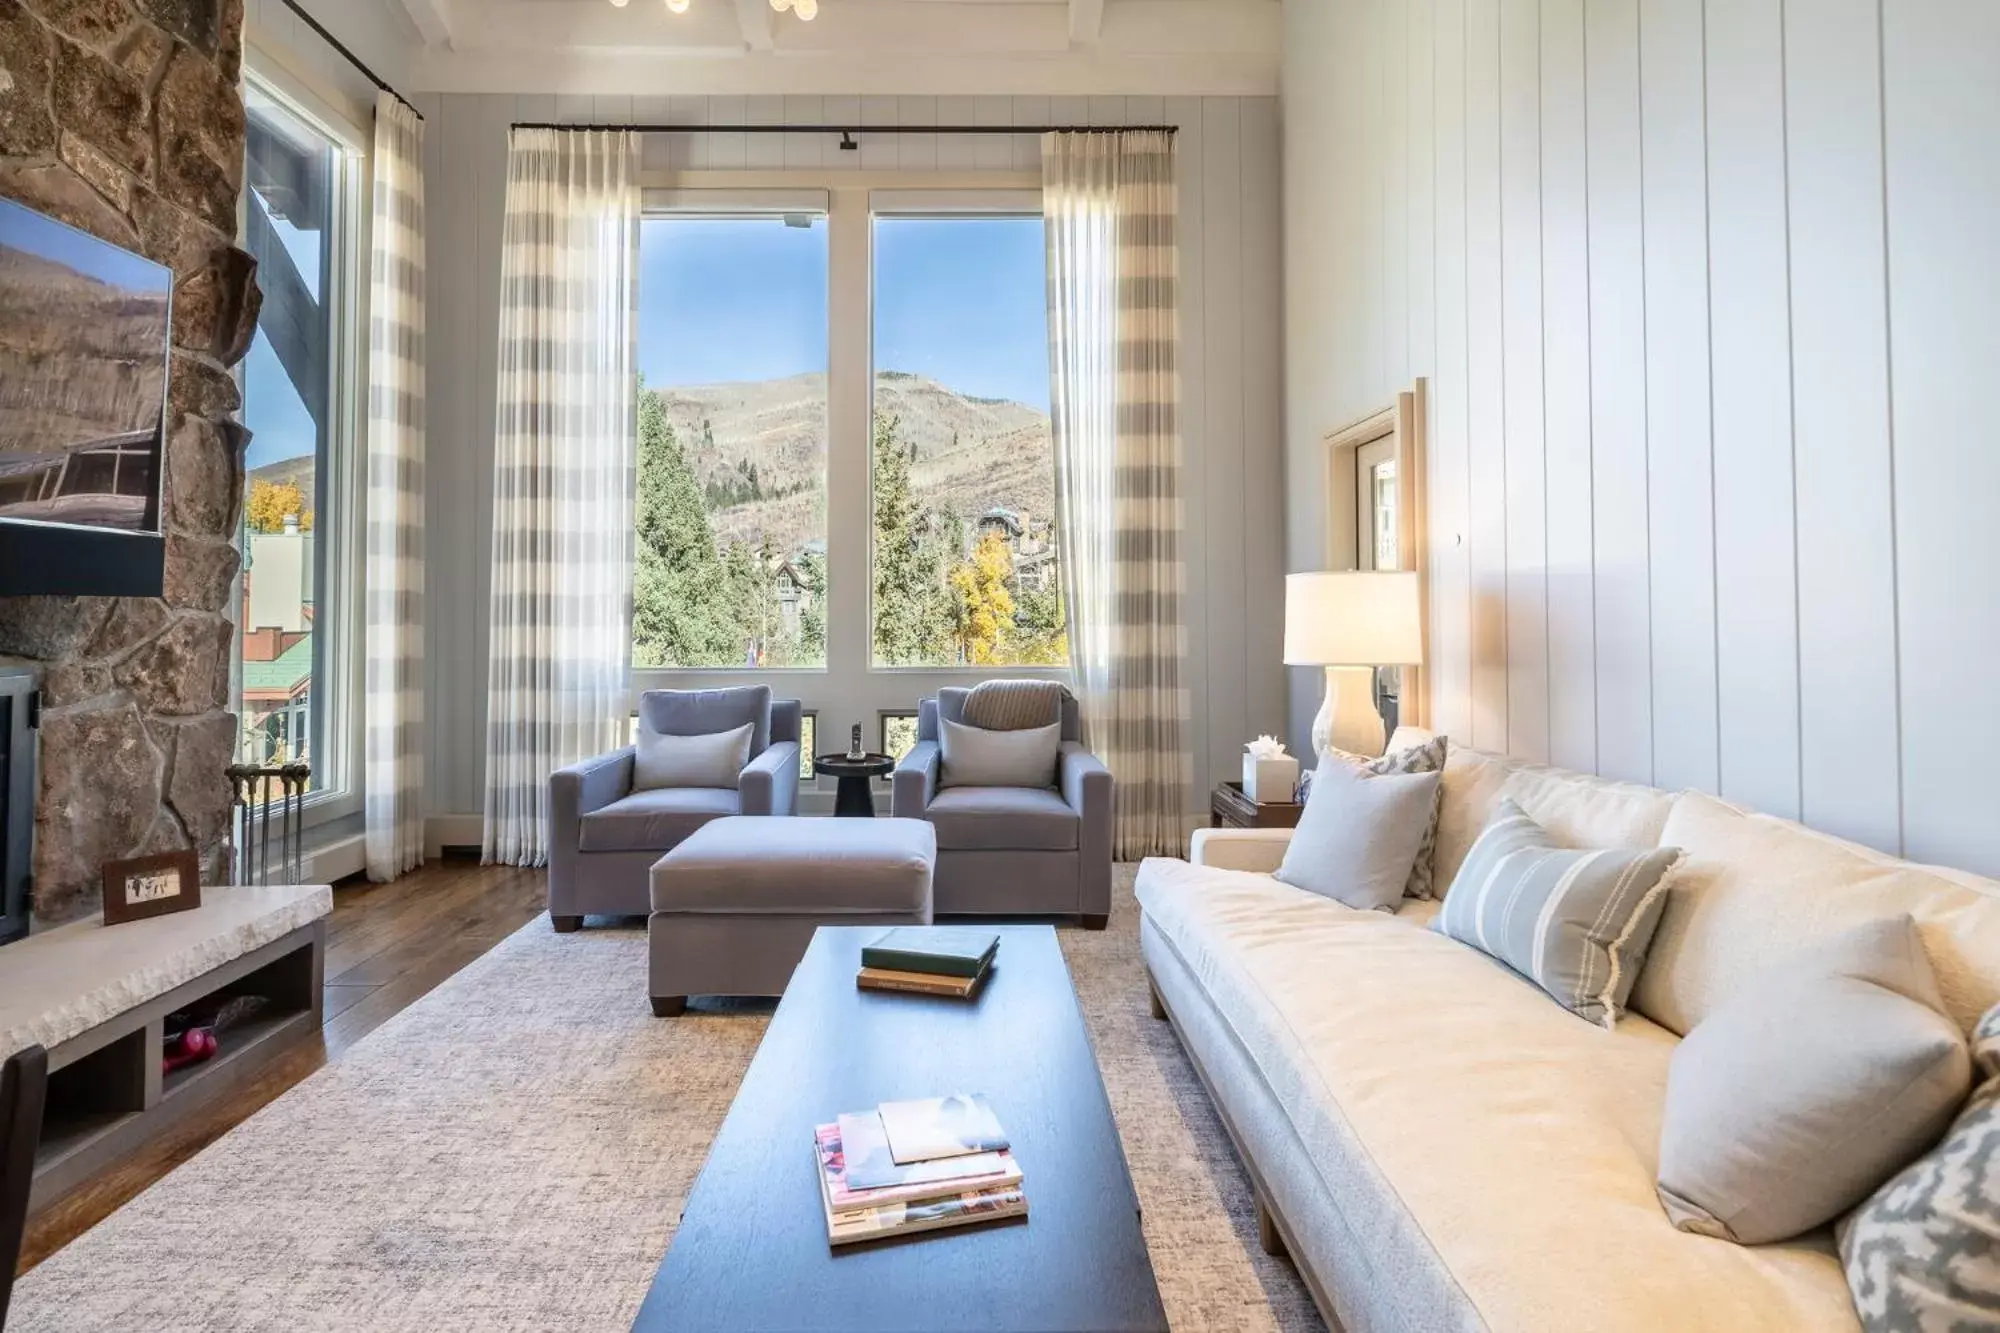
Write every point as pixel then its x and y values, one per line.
pixel 510 1153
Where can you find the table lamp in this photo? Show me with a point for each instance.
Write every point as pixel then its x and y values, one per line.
pixel 1351 622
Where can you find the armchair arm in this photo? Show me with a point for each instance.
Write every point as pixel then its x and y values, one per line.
pixel 1258 850
pixel 590 785
pixel 769 784
pixel 1087 787
pixel 914 782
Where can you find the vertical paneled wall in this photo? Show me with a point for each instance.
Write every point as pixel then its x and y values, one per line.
pixel 1709 299
pixel 1231 359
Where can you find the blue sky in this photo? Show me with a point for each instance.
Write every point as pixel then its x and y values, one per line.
pixel 960 300
pixel 272 409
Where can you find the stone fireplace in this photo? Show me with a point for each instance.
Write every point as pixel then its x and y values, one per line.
pixel 125 118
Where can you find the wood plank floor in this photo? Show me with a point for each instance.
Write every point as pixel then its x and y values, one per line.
pixel 387 945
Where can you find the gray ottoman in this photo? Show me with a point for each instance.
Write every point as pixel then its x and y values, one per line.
pixel 736 904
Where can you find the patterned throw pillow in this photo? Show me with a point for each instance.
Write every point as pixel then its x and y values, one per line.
pixel 1426 758
pixel 1576 923
pixel 1923 1254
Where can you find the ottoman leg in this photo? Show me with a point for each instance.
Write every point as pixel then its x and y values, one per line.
pixel 1095 920
pixel 565 924
pixel 669 1006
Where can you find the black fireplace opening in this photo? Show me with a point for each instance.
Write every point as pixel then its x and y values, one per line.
pixel 20 715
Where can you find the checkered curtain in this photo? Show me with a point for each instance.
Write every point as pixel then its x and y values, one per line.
pixel 393 575
pixel 1109 201
pixel 563 473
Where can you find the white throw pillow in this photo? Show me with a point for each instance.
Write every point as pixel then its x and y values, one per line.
pixel 975 757
pixel 716 759
pixel 1358 836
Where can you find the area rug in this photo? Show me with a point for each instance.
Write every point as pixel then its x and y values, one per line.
pixel 512 1151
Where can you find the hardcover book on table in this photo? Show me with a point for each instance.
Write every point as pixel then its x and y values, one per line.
pixel 940 950
pixel 920 983
pixel 934 1127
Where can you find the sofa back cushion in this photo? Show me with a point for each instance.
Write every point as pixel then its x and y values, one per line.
pixel 1752 890
pixel 1576 810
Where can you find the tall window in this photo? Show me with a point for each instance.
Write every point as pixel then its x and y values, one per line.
pixel 731 524
pixel 965 545
pixel 298 221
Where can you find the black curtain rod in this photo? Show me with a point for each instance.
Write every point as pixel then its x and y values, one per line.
pixel 350 57
pixel 846 131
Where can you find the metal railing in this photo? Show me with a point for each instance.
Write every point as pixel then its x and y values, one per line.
pixel 267 800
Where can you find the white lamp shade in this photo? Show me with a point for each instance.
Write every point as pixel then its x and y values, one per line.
pixel 1349 618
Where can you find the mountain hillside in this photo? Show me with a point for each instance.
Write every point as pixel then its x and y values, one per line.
pixel 972 454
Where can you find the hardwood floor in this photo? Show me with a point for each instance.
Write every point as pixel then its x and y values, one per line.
pixel 387 945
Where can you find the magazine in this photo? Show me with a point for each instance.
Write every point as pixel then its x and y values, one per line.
pixel 894 1219
pixel 909 1184
pixel 932 1127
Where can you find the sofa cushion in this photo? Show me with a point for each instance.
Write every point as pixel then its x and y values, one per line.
pixel 713 759
pixel 1521 1141
pixel 1924 1252
pixel 1006 819
pixel 652 821
pixel 1754 889
pixel 1422 756
pixel 1576 923
pixel 1578 810
pixel 1811 1087
pixel 1520 1144
pixel 1359 834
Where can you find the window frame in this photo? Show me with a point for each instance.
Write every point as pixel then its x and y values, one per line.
pixel 336 717
pixel 850 688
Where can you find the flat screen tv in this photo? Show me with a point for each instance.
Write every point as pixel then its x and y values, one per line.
pixel 85 331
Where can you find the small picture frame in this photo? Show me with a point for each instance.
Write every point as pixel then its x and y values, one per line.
pixel 149 886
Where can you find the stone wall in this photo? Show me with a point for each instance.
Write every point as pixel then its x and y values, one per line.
pixel 125 118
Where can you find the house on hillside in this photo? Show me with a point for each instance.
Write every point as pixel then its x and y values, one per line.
pixel 1030 543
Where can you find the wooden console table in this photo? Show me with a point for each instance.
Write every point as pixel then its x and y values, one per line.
pixel 97 998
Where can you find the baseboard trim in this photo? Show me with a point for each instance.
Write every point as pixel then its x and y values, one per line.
pixel 442 831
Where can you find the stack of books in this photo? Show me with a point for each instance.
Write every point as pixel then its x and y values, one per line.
pixel 916 1166
pixel 929 961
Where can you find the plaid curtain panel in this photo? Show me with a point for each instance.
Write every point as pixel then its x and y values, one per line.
pixel 565 439
pixel 1109 201
pixel 393 573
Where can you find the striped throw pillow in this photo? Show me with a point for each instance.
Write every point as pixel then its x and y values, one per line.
pixel 1576 923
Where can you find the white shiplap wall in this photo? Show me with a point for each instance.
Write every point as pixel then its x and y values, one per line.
pixel 1231 359
pixel 1709 296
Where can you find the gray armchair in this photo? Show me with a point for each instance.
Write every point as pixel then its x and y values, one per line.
pixel 1005 851
pixel 604 837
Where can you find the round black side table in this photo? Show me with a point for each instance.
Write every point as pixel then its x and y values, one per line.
pixel 853 800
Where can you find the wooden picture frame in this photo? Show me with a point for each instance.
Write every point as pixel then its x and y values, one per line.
pixel 1405 424
pixel 150 886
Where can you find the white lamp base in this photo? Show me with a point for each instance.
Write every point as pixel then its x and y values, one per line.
pixel 1347 718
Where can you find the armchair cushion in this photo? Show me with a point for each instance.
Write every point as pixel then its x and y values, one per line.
pixel 648 821
pixel 711 759
pixel 1008 819
pixel 704 712
pixel 976 757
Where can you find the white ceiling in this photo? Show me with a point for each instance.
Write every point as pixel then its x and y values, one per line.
pixel 1156 47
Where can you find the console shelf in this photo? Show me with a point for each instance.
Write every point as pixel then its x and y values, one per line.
pixel 98 998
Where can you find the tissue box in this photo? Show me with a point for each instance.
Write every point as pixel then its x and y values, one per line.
pixel 1271 781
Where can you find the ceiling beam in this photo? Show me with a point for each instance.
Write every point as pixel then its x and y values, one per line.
pixel 433 19
pixel 754 17
pixel 1086 22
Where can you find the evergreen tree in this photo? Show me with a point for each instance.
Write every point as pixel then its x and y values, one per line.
pixel 681 607
pixel 912 613
pixel 812 608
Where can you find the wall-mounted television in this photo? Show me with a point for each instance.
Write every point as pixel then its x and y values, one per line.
pixel 85 333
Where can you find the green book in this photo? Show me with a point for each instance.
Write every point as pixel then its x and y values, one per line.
pixel 938 950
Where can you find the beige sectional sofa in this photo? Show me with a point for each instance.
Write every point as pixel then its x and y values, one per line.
pixel 1436 1142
